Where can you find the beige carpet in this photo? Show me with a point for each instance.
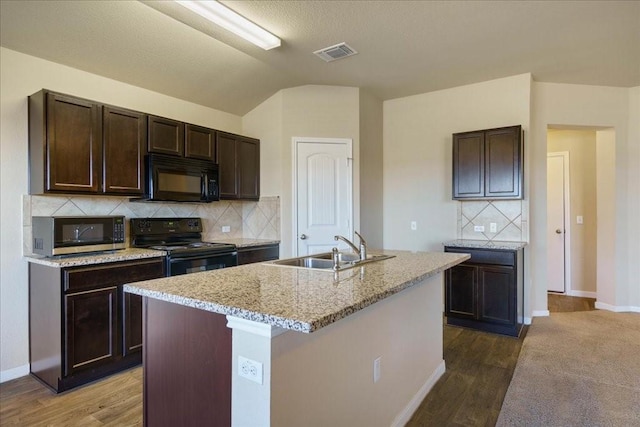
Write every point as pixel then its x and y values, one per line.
pixel 577 369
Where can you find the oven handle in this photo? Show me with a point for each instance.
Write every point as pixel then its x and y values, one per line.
pixel 198 257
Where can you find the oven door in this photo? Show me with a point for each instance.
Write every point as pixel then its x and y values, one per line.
pixel 197 263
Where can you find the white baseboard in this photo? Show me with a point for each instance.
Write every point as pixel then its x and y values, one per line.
pixel 617 308
pixel 12 374
pixel 527 320
pixel 583 294
pixel 405 415
pixel 540 313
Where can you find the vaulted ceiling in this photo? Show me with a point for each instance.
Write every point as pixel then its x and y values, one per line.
pixel 405 47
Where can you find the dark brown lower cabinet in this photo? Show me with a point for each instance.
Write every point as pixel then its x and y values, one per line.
pixel 82 326
pixel 187 366
pixel 132 318
pixel 486 291
pixel 251 254
pixel 90 335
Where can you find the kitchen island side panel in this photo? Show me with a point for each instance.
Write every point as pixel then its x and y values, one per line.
pixel 187 366
pixel 327 378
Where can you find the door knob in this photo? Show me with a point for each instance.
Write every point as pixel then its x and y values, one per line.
pixel 558 231
pixel 303 237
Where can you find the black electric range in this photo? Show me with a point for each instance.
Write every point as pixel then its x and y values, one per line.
pixel 181 239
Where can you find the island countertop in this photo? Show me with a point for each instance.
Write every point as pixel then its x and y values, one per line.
pixel 292 298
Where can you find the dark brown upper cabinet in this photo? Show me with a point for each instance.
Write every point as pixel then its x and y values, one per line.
pixel 81 146
pixel 166 136
pixel 65 145
pixel 239 163
pixel 488 164
pixel 199 142
pixel 125 145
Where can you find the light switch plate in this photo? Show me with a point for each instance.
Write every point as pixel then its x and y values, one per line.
pixel 579 219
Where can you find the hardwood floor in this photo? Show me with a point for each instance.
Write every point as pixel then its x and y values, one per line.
pixel 470 393
pixel 114 401
pixel 563 303
pixel 479 369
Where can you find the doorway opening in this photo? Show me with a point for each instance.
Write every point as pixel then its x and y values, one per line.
pixel 581 176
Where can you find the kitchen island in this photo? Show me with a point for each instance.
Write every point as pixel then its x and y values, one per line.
pixel 266 345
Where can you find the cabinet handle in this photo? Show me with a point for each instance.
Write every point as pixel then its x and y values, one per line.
pixel 558 231
pixel 303 237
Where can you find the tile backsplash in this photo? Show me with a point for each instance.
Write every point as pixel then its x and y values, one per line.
pixel 246 219
pixel 509 216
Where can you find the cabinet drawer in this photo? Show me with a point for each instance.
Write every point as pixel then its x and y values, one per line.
pixel 266 253
pixel 111 274
pixel 486 256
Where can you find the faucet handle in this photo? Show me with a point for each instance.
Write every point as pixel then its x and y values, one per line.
pixel 335 257
pixel 363 247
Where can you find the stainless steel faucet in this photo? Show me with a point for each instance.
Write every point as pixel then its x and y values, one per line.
pixel 361 251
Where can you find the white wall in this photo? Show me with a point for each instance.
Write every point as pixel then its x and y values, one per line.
pixel 371 183
pixel 306 111
pixel 594 106
pixel 20 76
pixel 417 159
pixel 633 195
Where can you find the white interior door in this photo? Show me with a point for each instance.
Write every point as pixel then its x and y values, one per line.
pixel 557 207
pixel 323 180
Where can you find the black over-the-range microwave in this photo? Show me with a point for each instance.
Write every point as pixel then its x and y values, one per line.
pixel 178 179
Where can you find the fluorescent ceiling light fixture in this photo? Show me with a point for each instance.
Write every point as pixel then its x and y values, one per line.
pixel 230 20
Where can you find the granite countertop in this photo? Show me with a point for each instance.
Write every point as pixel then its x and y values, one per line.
pixel 486 244
pixel 96 258
pixel 298 299
pixel 246 243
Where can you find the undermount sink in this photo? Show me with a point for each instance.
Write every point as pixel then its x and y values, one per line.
pixel 324 261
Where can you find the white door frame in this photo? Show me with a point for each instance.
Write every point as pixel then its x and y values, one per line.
pixel 567 218
pixel 302 140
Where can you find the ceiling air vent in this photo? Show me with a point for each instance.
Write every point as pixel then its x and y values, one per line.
pixel 338 51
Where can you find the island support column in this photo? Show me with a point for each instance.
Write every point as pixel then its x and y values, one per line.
pixel 327 377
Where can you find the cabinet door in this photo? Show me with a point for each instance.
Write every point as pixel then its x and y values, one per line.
pixel 200 143
pixel 73 145
pixel 496 293
pixel 91 329
pixel 249 168
pixel 260 254
pixel 166 136
pixel 503 164
pixel 125 145
pixel 468 165
pixel 460 291
pixel 227 162
pixel 132 323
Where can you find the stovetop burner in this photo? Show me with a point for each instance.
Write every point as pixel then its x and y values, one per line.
pixel 179 237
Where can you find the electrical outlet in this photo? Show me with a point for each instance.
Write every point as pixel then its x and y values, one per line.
pixel 493 227
pixel 376 369
pixel 226 228
pixel 479 228
pixel 414 225
pixel 250 369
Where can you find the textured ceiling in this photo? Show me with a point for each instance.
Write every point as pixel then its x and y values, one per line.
pixel 405 47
